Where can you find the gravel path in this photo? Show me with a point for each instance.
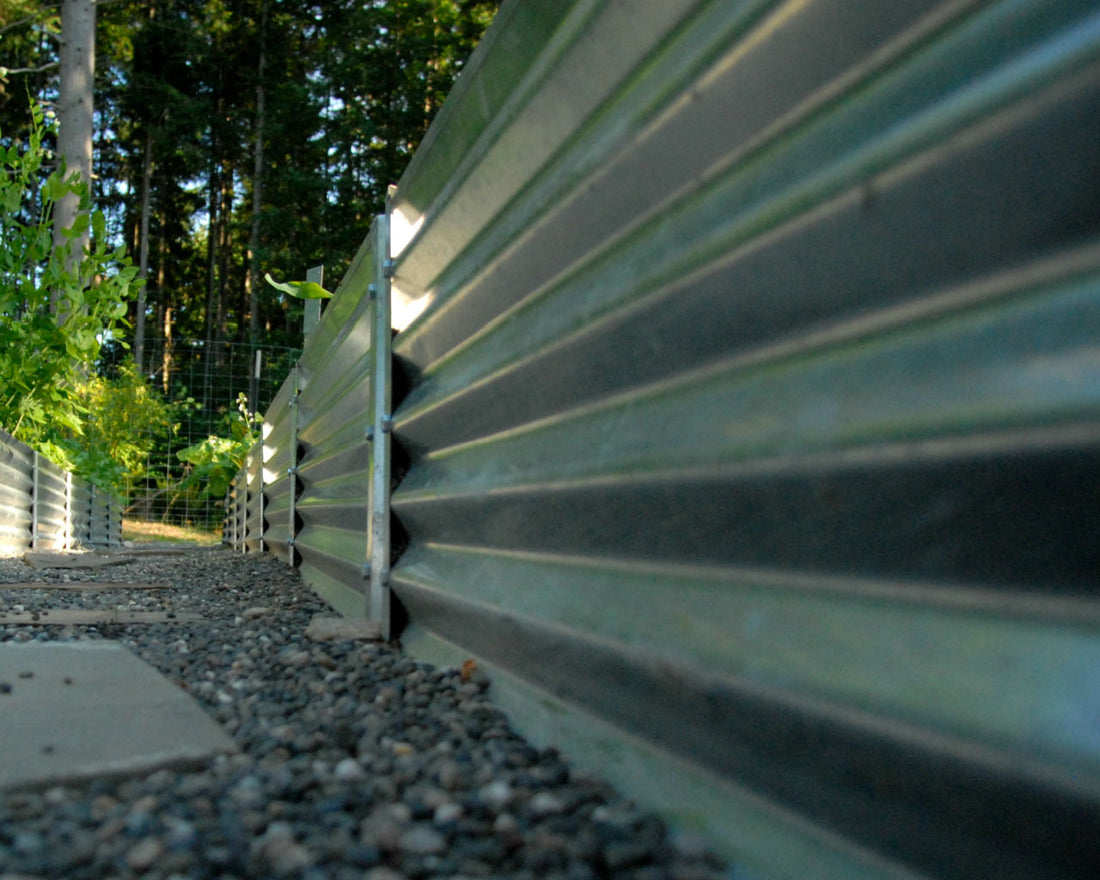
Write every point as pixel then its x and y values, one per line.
pixel 356 762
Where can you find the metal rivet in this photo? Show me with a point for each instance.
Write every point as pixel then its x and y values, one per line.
pixel 365 571
pixel 387 424
pixel 388 268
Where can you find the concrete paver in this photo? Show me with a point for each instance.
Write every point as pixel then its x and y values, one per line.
pixel 323 628
pixel 82 617
pixel 74 560
pixel 79 710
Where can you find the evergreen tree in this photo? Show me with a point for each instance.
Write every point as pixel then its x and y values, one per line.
pixel 236 137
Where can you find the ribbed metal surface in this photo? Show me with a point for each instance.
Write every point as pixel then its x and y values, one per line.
pixel 280 455
pixel 254 500
pixel 44 507
pixel 236 511
pixel 114 508
pixel 104 519
pixel 333 471
pixel 754 417
pixel 81 511
pixel 51 506
pixel 16 495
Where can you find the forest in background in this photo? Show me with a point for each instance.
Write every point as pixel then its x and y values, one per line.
pixel 262 132
pixel 231 139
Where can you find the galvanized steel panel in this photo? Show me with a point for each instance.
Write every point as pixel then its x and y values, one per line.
pixel 105 526
pixel 236 512
pixel 254 525
pixel 81 511
pixel 754 417
pixel 280 454
pixel 332 481
pixel 51 506
pixel 43 506
pixel 16 495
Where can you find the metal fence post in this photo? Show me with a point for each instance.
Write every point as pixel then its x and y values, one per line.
pixel 292 470
pixel 312 315
pixel 381 424
pixel 68 510
pixel 34 502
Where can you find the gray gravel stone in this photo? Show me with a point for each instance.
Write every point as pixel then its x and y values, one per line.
pixel 144 854
pixel 356 762
pixel 422 841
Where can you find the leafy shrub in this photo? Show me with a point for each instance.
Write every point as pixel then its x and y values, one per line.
pixel 124 420
pixel 214 462
pixel 53 317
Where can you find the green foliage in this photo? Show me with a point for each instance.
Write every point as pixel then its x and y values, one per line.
pixel 125 418
pixel 215 461
pixel 53 317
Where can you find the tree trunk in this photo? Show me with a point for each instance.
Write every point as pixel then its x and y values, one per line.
pixel 143 249
pixel 211 275
pixel 74 136
pixel 166 361
pixel 225 254
pixel 253 279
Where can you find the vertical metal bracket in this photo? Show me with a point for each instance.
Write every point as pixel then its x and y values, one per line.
pixel 312 307
pixel 260 500
pixel 378 532
pixel 34 502
pixel 69 543
pixel 296 378
pixel 93 514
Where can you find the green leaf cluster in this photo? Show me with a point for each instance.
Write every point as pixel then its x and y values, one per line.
pixel 124 420
pixel 215 461
pixel 54 313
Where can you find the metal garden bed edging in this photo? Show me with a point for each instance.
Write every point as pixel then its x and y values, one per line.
pixel 43 507
pixel 316 488
pixel 752 419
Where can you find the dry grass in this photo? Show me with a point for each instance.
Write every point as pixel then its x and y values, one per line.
pixel 141 532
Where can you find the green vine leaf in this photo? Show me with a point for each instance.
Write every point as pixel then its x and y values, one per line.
pixel 298 289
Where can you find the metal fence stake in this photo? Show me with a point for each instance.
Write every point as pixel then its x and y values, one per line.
pixel 34 502
pixel 378 600
pixel 292 471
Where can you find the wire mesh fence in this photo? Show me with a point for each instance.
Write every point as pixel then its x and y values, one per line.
pixel 208 389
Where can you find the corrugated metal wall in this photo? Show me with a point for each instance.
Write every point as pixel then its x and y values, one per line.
pixel 253 532
pixel 51 503
pixel 753 418
pixel 749 393
pixel 46 508
pixel 100 523
pixel 319 497
pixel 280 459
pixel 16 495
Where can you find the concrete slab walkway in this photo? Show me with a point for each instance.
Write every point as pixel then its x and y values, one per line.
pixel 79 710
